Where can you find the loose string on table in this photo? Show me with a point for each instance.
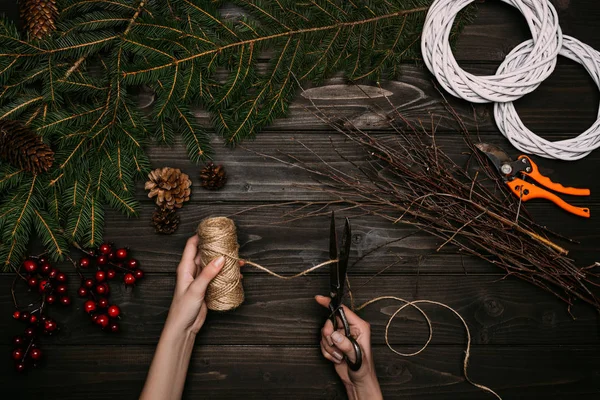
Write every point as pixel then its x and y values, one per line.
pixel 218 237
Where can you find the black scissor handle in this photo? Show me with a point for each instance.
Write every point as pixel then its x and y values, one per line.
pixel 354 366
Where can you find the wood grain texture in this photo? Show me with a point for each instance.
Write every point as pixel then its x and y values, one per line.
pixel 527 345
pixel 257 372
pixel 284 312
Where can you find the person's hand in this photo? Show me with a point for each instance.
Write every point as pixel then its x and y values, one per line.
pixel 361 384
pixel 188 309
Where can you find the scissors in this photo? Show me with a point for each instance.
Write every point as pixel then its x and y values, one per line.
pixel 514 174
pixel 337 279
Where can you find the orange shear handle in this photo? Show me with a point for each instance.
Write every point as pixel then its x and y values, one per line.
pixel 527 191
pixel 545 181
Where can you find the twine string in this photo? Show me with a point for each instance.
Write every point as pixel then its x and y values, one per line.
pixel 218 237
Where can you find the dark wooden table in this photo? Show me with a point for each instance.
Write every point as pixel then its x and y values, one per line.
pixel 526 346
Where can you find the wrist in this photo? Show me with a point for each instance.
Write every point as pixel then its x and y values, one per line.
pixel 363 389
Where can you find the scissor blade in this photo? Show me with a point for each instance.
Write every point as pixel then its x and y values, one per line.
pixel 334 275
pixel 495 154
pixel 344 255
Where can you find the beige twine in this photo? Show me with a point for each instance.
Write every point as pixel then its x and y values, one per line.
pixel 218 236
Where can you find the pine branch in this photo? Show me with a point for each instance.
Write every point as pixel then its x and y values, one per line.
pixel 77 90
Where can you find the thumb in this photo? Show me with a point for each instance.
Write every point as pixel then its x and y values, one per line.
pixel 323 300
pixel 209 272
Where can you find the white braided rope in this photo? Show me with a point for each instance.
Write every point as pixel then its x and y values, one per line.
pixel 512 127
pixel 538 64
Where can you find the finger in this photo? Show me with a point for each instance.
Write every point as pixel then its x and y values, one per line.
pixel 187 264
pixel 329 356
pixel 335 353
pixel 344 345
pixel 198 287
pixel 326 332
pixel 323 300
pixel 242 263
pixel 354 319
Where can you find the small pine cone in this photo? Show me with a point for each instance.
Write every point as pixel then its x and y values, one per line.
pixel 213 177
pixel 23 148
pixel 39 17
pixel 165 221
pixel 170 186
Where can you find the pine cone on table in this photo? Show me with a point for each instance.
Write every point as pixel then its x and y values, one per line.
pixel 213 177
pixel 39 17
pixel 23 148
pixel 170 186
pixel 165 221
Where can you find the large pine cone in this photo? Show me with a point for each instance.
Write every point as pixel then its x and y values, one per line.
pixel 165 221
pixel 213 177
pixel 39 17
pixel 23 148
pixel 170 186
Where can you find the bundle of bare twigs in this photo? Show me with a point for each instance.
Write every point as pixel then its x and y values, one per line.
pixel 411 180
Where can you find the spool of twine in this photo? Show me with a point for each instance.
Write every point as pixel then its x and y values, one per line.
pixel 218 237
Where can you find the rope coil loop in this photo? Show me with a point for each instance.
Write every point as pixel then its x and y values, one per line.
pixel 530 68
pixel 522 138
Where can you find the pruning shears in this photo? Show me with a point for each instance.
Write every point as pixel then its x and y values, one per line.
pixel 514 173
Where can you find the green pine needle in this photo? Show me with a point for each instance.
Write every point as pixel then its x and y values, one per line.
pixel 79 90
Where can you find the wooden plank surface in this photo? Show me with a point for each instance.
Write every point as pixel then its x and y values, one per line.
pixel 527 346
pixel 274 372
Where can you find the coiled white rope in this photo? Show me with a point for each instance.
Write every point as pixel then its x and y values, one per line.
pixel 538 64
pixel 524 68
pixel 522 138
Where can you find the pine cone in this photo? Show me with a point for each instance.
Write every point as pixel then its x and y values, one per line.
pixel 39 17
pixel 165 221
pixel 23 148
pixel 213 177
pixel 170 186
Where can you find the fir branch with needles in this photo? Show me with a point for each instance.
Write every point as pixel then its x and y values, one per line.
pixel 78 89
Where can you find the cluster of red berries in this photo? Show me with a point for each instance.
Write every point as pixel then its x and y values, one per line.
pixel 50 282
pixel 109 262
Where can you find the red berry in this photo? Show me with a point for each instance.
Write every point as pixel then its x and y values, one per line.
pixel 50 299
pixel 65 300
pixel 111 255
pixel 102 320
pixel 61 289
pixel 105 248
pixel 25 316
pixel 111 273
pixel 138 273
pixel 89 283
pixel 114 311
pixel 35 354
pixel 17 315
pixel 18 340
pixel 121 253
pixel 61 277
pixel 84 262
pixel 129 279
pixel 29 332
pixel 32 282
pixel 33 319
pixel 133 263
pixel 50 325
pixel 102 288
pixel 102 260
pixel 89 306
pixel 20 367
pixel 30 266
pixel 103 302
pixel 52 274
pixel 17 354
pixel 44 286
pixel 45 268
pixel 100 276
pixel 82 292
pixel 114 327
